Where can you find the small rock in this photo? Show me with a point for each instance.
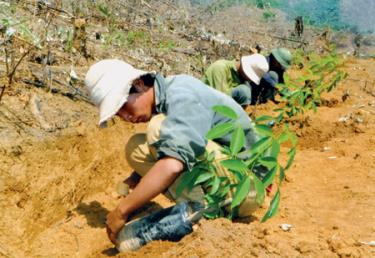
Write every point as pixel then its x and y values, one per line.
pixel 335 227
pixel 77 224
pixel 286 227
pixel 332 157
pixel 325 149
pixel 344 118
pixel 73 75
pixel 371 243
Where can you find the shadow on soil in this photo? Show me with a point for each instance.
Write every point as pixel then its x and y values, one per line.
pixel 110 251
pixel 94 212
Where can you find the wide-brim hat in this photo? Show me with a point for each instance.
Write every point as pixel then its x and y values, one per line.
pixel 283 57
pixel 109 82
pixel 254 66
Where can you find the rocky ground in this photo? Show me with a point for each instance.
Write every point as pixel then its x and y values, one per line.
pixel 58 171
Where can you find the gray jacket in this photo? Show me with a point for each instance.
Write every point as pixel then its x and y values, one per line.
pixel 187 103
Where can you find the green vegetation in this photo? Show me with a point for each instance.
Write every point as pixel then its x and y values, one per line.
pixel 304 93
pixel 166 44
pixel 18 41
pixel 314 12
pixel 137 37
pixel 262 4
pixel 268 15
pixel 116 34
pixel 321 75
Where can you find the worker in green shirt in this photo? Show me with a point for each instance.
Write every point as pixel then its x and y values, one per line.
pixel 236 78
pixel 252 79
pixel 179 112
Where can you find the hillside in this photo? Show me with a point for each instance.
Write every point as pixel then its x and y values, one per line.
pixel 59 171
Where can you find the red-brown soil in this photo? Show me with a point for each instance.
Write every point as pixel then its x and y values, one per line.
pixel 56 190
pixel 59 171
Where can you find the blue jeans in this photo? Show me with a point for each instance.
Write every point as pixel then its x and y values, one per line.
pixel 167 224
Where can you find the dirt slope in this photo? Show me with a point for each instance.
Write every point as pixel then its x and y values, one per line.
pixel 58 171
pixel 328 197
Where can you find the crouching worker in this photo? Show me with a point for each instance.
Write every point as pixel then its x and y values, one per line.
pixel 179 112
pixel 279 61
pixel 237 78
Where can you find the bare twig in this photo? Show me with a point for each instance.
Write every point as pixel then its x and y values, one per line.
pixel 6 61
pixel 2 92
pixel 146 4
pixel 11 74
pixel 48 6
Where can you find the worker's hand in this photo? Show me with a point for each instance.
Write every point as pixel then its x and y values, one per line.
pixel 115 222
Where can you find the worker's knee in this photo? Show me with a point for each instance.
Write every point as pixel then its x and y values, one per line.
pixel 133 149
pixel 249 205
pixel 153 129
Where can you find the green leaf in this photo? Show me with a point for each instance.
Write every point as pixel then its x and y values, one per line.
pixel 260 189
pixel 203 177
pixel 220 130
pixel 263 130
pixel 223 191
pixel 253 158
pixel 287 135
pixel 211 214
pixel 292 154
pixel 270 176
pixel 235 165
pixel 263 118
pixel 275 149
pixel 241 193
pixel 269 162
pixel 282 174
pixel 225 150
pixel 293 138
pixel 187 180
pixel 239 176
pixel 261 145
pixel 215 185
pixel 272 210
pixel 211 156
pixel 280 117
pixel 225 111
pixel 237 141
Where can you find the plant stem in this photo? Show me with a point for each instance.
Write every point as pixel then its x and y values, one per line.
pixel 11 74
pixel 2 92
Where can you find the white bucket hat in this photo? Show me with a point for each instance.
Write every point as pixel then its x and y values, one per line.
pixel 109 82
pixel 254 67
